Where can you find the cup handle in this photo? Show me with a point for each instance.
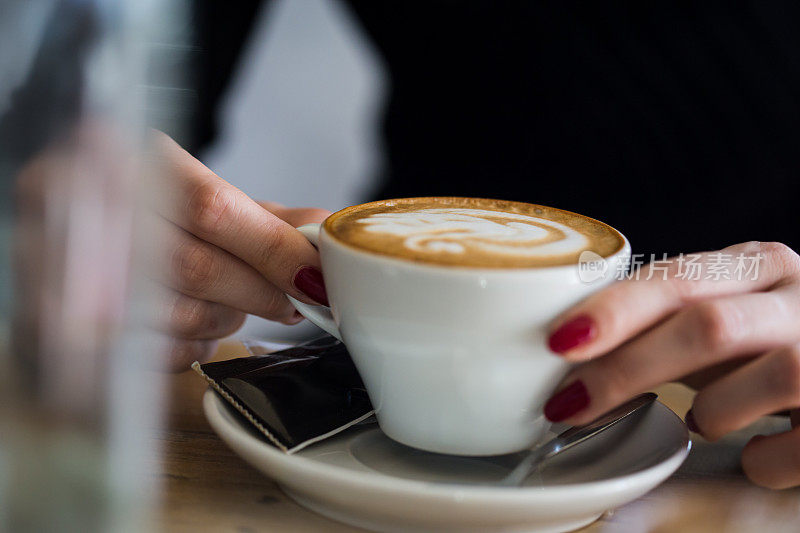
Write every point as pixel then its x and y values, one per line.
pixel 318 314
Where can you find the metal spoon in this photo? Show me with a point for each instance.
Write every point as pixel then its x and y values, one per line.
pixel 574 436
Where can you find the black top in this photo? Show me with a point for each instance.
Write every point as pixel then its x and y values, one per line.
pixel 676 122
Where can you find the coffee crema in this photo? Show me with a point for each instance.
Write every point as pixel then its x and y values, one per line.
pixel 472 232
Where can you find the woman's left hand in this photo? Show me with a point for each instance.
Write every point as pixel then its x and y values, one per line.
pixel 735 338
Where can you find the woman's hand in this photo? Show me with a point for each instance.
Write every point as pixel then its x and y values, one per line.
pixel 736 340
pixel 224 255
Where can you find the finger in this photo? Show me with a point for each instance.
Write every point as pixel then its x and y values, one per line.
pixel 207 272
pixel 794 417
pixel 190 318
pixel 701 378
pixel 181 353
pixel 698 337
pixel 217 212
pixel 610 317
pixel 296 216
pixel 766 385
pixel 773 461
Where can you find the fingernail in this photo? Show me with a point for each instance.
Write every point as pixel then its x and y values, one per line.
pixel 691 423
pixel 566 402
pixel 577 331
pixel 308 280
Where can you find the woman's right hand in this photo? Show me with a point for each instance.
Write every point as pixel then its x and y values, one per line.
pixel 225 255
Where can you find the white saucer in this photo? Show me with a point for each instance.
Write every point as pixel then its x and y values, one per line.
pixel 363 478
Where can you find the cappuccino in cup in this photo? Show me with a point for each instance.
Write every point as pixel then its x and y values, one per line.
pixel 472 232
pixel 445 303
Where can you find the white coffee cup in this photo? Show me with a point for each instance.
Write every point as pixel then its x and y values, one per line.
pixel 454 360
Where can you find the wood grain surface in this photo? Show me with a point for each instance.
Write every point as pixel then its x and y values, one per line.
pixel 206 487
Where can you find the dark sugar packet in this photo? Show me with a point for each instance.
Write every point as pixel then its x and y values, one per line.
pixel 295 396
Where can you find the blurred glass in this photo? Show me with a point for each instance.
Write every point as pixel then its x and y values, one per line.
pixel 80 394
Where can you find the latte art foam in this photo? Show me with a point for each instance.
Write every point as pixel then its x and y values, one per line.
pixel 472 232
pixel 455 231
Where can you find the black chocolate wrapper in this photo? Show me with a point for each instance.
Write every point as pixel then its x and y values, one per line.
pixel 296 396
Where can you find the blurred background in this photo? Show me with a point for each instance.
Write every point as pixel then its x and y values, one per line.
pixel 80 83
pixel 300 121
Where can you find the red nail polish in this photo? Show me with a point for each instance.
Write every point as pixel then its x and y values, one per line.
pixel 577 331
pixel 308 280
pixel 566 402
pixel 691 423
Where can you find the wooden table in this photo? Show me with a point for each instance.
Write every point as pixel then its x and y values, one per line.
pixel 208 488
